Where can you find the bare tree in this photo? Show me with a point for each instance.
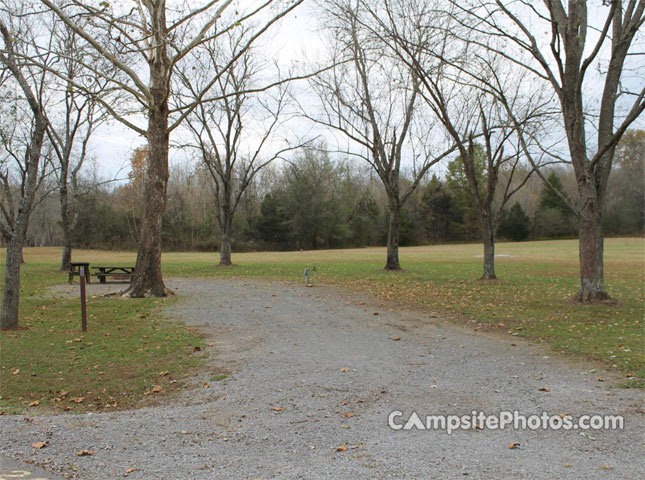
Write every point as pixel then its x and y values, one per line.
pixel 582 57
pixel 161 37
pixel 469 91
pixel 74 119
pixel 373 101
pixel 236 135
pixel 22 146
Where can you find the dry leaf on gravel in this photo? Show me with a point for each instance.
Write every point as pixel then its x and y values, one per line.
pixel 347 415
pixel 130 470
pixel 342 448
pixel 513 445
pixel 84 453
pixel 396 339
pixel 156 389
pixel 35 403
pixel 39 445
pixel 544 389
pixel 277 409
pixel 344 369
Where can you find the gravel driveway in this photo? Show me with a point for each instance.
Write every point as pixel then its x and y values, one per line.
pixel 314 374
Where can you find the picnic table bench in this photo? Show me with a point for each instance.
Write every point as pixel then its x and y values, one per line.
pixel 110 271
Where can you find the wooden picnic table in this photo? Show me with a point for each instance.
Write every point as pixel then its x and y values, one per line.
pixel 75 269
pixel 112 271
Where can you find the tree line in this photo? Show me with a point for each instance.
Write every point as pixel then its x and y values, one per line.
pixel 317 202
pixel 510 88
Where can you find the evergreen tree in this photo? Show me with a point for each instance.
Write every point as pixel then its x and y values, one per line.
pixel 469 225
pixel 554 218
pixel 515 225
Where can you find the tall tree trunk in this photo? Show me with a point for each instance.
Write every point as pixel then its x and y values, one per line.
pixel 11 288
pixel 488 234
pixel 393 236
pixel 66 258
pixel 147 280
pixel 591 247
pixel 225 245
pixel 225 220
pixel 20 223
pixel 225 250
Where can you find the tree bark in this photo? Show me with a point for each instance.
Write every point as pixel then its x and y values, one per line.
pixel 11 288
pixel 225 241
pixel 225 250
pixel 147 280
pixel 66 258
pixel 488 234
pixel 393 236
pixel 591 247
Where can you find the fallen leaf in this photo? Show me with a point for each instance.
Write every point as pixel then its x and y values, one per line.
pixel 347 415
pixel 35 403
pixel 156 389
pixel 163 374
pixel 130 470
pixel 78 399
pixel 277 409
pixel 344 369
pixel 39 445
pixel 396 339
pixel 197 349
pixel 16 371
pixel 85 452
pixel 63 393
pixel 544 389
pixel 375 313
pixel 513 445
pixel 342 448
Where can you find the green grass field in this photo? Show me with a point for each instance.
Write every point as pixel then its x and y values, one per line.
pixel 50 364
pixel 130 344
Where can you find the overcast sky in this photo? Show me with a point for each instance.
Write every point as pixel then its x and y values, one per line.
pixel 292 41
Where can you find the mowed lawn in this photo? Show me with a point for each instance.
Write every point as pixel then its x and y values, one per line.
pixel 129 345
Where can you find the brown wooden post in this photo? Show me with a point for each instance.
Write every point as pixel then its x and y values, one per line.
pixel 83 306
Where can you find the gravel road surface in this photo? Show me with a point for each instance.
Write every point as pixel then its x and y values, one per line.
pixel 314 374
